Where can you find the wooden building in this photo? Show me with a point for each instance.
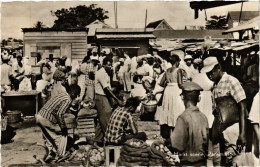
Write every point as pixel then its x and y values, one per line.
pixel 68 42
pixel 133 40
pixel 159 25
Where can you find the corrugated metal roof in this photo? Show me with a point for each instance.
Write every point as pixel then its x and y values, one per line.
pixel 191 34
pixel 119 36
pixel 52 29
pixel 124 30
pixel 251 24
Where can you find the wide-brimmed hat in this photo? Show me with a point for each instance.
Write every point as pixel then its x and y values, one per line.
pixel 188 57
pixel 209 63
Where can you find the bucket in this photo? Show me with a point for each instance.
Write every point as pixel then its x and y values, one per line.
pixel 13 116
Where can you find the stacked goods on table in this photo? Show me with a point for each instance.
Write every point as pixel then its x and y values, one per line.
pixel 161 155
pixel 86 118
pixel 134 152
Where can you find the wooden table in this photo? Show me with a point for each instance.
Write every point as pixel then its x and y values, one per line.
pixel 26 102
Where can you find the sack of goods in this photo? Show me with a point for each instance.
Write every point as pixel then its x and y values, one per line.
pixel 70 120
pixel 160 155
pixel 134 152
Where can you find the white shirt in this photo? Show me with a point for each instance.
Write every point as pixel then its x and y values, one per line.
pixel 133 65
pixel 143 69
pixel 6 71
pixel 254 112
pixel 40 85
pixel 203 81
pixel 102 80
pixel 27 69
pixel 138 91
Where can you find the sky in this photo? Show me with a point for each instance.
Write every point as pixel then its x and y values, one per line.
pixel 131 14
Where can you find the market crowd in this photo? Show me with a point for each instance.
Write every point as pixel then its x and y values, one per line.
pixel 191 95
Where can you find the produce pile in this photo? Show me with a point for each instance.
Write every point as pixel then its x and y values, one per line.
pixel 134 152
pixel 94 156
pixel 161 155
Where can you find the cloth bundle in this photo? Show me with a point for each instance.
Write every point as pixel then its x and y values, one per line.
pixel 134 152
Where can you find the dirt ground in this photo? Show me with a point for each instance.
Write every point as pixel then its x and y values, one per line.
pixel 24 145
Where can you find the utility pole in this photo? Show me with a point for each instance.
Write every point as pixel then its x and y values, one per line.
pixel 145 20
pixel 115 11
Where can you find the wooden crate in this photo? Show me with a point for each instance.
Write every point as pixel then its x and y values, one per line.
pixel 86 126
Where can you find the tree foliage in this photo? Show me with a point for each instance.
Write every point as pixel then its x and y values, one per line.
pixel 217 22
pixel 78 17
pixel 39 25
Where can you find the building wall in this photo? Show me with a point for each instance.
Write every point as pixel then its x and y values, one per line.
pixel 143 45
pixel 71 44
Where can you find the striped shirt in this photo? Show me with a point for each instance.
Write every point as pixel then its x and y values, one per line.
pixel 118 122
pixel 55 109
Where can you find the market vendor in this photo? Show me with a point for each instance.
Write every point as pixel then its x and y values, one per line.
pixel 51 121
pixel 190 136
pixel 225 86
pixel 121 118
pixel 103 104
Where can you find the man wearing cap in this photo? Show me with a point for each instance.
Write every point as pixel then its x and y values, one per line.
pixel 103 93
pixel 225 85
pixel 190 136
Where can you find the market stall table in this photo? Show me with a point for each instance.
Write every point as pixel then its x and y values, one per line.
pixel 27 102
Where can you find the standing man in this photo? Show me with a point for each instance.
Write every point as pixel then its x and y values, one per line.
pixel 103 92
pixel 91 69
pixel 225 85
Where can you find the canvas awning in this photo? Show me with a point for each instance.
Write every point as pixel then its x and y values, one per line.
pixel 252 24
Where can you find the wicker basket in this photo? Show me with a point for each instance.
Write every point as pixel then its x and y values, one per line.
pixel 13 116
